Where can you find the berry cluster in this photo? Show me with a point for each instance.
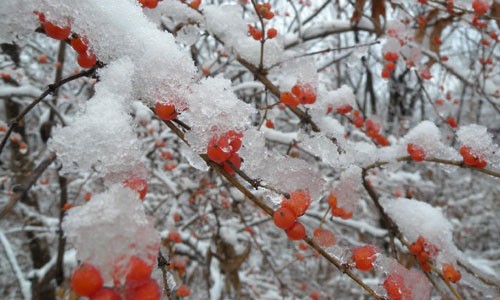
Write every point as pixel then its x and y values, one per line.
pixel 395 286
pixel 264 10
pixel 223 150
pixel 423 251
pixel 450 274
pixel 364 257
pixel 86 58
pixel 87 281
pixel 373 131
pixel 257 34
pixel 471 158
pixel 417 153
pixel 480 7
pixel 338 211
pixel 299 94
pixel 292 208
pixel 390 66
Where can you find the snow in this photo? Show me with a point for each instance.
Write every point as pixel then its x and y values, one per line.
pixel 416 218
pixel 480 141
pixel 427 135
pixel 102 136
pixel 123 230
pixel 23 282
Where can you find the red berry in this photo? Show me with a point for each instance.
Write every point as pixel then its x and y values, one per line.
pixel 195 4
pixel 417 153
pixel 296 232
pixel 471 158
pixel 86 60
pixel 183 291
pixel 138 185
pixel 86 280
pixel 452 122
pixel 390 66
pixel 56 32
pixel 344 109
pixel 106 294
pixel 284 218
pixel 269 124
pixel 415 248
pixel 385 73
pixel 308 94
pixel 235 160
pixel 332 200
pixel 289 99
pixel 314 295
pixel 149 3
pixel 79 44
pixel 165 111
pixel 364 257
pixel 450 274
pixel 138 269
pixel 395 287
pixel 174 236
pixel 218 150
pixel 272 33
pixel 142 290
pixel 298 203
pixel 480 7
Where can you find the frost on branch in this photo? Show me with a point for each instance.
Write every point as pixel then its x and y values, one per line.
pixel 415 218
pixel 111 228
pixel 225 22
pixel 102 135
pixel 481 142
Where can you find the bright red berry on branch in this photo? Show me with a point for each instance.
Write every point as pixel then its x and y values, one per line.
pixel 56 32
pixel 272 33
pixel 344 109
pixel 165 111
pixel 195 4
pixel 86 280
pixel 138 269
pixel 235 160
pixel 417 153
pixel 296 232
pixel 284 218
pixel 289 99
pixel 364 257
pixel 142 290
pixel 149 3
pixel 79 44
pixel 298 203
pixel 450 274
pixel 174 236
pixel 106 294
pixel 395 287
pixel 385 73
pixel 391 56
pixel 452 122
pixel 86 60
pixel 472 158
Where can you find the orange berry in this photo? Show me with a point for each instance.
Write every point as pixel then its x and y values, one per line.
pixel 195 4
pixel 56 32
pixel 165 111
pixel 183 291
pixel 272 33
pixel 138 269
pixel 480 7
pixel 298 203
pixel 86 60
pixel 303 246
pixel 332 200
pixel 235 160
pixel 106 294
pixel 471 158
pixel 284 218
pixel 450 274
pixel 390 66
pixel 142 290
pixel 256 34
pixel 86 280
pixel 218 151
pixel 314 295
pixel 296 232
pixel 417 153
pixel 395 287
pixel 87 196
pixel 344 109
pixel 385 73
pixel 452 122
pixel 364 257
pixel 79 44
pixel 269 124
pixel 415 248
pixel 67 206
pixel 289 99
pixel 43 59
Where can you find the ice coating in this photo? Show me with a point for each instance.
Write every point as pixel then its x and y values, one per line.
pixel 102 136
pixel 110 228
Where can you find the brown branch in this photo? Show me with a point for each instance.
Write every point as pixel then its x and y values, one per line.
pixel 52 88
pixel 26 186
